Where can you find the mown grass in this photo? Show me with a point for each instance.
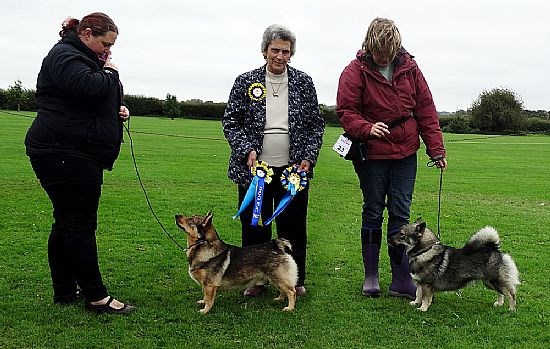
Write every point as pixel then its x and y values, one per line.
pixel 501 181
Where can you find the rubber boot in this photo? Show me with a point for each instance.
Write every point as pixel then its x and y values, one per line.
pixel 401 283
pixel 370 248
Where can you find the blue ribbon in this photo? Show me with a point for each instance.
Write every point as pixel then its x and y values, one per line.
pixel 293 181
pixel 257 211
pixel 262 174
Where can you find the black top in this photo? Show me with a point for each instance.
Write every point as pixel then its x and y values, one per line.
pixel 78 102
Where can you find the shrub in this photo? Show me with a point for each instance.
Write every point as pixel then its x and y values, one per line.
pixel 205 111
pixel 457 124
pixel 328 113
pixel 171 107
pixel 444 120
pixel 537 125
pixel 2 99
pixel 498 110
pixel 145 106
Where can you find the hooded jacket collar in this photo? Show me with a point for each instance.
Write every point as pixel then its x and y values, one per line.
pixel 400 59
pixel 72 39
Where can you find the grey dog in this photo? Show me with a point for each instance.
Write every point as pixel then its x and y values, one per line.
pixel 436 267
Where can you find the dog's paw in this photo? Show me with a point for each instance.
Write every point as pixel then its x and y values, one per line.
pixel 414 303
pixel 204 311
pixel 200 301
pixel 280 298
pixel 500 301
pixel 422 308
pixel 288 309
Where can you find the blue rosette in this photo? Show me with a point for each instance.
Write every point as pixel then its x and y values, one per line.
pixel 293 181
pixel 262 175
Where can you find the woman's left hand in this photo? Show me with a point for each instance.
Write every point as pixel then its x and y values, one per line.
pixel 441 164
pixel 439 161
pixel 304 166
pixel 124 113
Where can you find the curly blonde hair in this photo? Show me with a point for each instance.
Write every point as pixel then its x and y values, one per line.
pixel 382 37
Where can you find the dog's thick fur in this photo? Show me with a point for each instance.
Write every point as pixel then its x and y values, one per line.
pixel 213 264
pixel 436 267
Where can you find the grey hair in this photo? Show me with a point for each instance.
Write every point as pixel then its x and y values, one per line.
pixel 276 31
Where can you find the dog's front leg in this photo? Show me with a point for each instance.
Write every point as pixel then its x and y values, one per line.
pixel 291 295
pixel 418 299
pixel 500 300
pixel 511 299
pixel 209 293
pixel 427 296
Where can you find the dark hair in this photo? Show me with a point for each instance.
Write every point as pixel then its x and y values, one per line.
pixel 98 22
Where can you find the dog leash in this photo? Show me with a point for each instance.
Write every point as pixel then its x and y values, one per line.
pixel 145 191
pixel 432 163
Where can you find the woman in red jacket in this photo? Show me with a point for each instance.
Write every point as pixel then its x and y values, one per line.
pixel 384 102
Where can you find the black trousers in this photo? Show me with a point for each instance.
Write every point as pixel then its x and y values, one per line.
pixel 73 185
pixel 291 223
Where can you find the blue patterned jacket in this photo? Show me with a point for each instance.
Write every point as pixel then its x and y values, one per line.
pixel 244 120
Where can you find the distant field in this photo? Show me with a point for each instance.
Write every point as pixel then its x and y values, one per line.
pixel 500 181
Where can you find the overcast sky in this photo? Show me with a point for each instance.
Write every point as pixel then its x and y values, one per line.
pixel 196 49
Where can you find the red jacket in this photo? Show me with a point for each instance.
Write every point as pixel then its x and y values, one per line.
pixel 365 97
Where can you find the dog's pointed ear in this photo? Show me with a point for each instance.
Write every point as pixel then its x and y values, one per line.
pixel 420 228
pixel 418 220
pixel 207 221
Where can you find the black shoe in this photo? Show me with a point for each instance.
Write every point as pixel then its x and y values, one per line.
pixel 106 308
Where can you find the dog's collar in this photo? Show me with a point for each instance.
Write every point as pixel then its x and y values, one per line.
pixel 200 241
pixel 423 251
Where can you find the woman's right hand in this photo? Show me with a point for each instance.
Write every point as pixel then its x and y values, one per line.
pixel 109 64
pixel 379 129
pixel 251 159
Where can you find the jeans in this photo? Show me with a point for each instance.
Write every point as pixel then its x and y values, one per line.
pixel 386 184
pixel 73 185
pixel 291 223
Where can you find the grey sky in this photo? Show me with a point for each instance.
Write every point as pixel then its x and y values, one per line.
pixel 195 49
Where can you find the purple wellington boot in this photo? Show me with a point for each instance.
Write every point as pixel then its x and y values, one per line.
pixel 401 284
pixel 370 249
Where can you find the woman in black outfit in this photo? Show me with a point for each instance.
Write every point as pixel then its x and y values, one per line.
pixel 76 135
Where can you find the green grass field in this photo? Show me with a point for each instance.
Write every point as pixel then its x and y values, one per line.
pixel 500 181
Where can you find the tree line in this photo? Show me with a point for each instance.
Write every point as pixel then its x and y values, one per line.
pixel 497 111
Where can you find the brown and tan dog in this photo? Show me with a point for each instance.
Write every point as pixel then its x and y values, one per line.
pixel 213 264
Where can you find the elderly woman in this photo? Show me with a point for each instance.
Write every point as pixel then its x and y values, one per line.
pixel 384 102
pixel 272 115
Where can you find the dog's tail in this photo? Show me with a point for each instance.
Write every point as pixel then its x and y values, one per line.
pixel 488 238
pixel 485 237
pixel 509 272
pixel 283 245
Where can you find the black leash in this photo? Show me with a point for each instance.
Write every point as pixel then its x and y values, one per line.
pixel 432 163
pixel 143 188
